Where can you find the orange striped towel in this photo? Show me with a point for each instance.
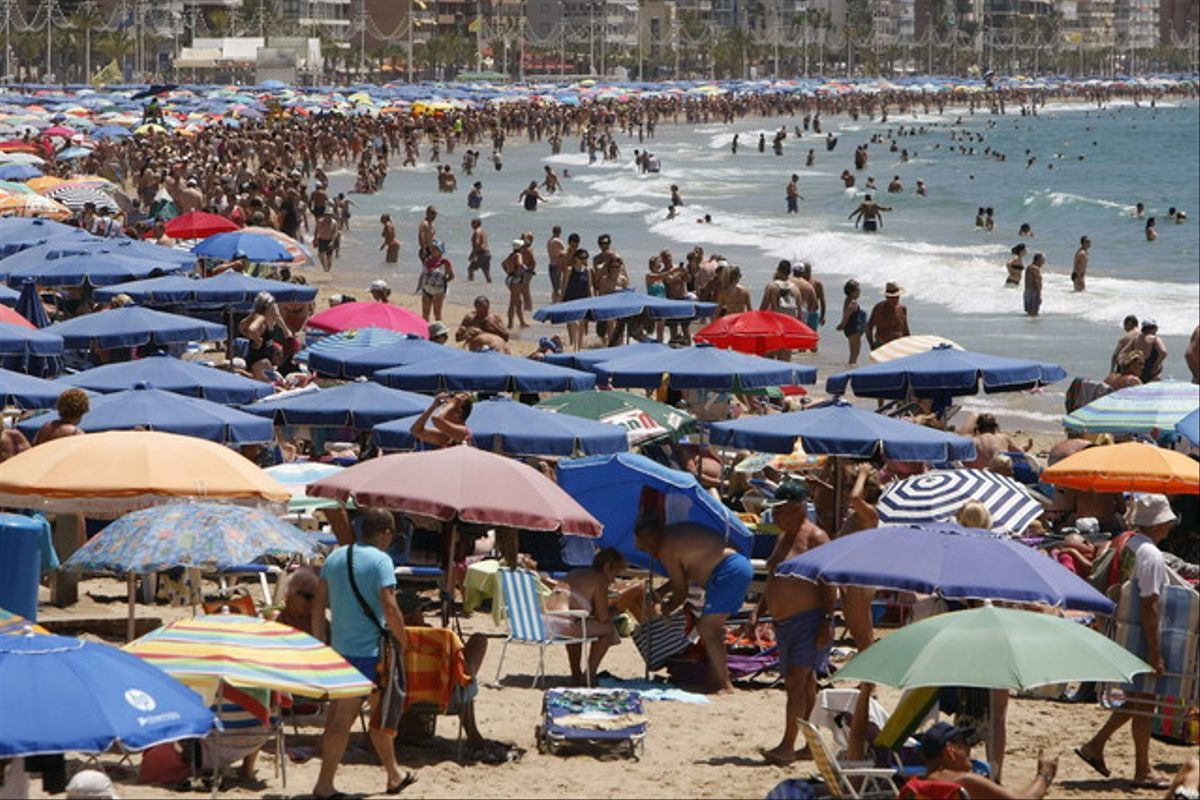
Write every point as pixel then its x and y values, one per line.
pixel 433 665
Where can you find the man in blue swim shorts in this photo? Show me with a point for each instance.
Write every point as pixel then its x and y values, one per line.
pixel 691 553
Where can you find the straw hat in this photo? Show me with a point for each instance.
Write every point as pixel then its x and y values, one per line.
pixel 893 289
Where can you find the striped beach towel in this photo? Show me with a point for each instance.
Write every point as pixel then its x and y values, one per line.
pixel 1179 619
pixel 433 666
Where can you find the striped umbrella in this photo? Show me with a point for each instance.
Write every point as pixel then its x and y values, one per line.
pixel 938 495
pixel 249 653
pixel 33 205
pixel 1136 409
pixel 76 196
pixel 11 623
pixel 908 346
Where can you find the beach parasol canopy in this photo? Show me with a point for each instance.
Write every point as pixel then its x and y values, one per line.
pixel 172 375
pixel 840 429
pixel 1126 467
pixel 198 225
pixel 1189 428
pixel 254 247
pixel 942 373
pixel 300 254
pixel 17 233
pixel 28 350
pixel 504 426
pixel 461 483
pixel 11 624
pixel 30 306
pixel 63 695
pixel 18 172
pixel 249 653
pixel 214 537
pixel 643 419
pixel 992 648
pixel 937 496
pixel 90 264
pixel 758 333
pixel 33 205
pixel 18 390
pixel 133 326
pixel 948 560
pixel 295 477
pixel 361 404
pixel 703 367
pixel 909 346
pixel 369 314
pixel 618 305
pixel 586 359
pixel 1143 409
pixel 487 371
pixel 8 297
pixel 150 409
pixel 109 474
pixel 230 288
pixel 10 316
pixel 363 352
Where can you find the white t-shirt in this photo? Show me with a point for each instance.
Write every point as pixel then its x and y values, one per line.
pixel 1149 568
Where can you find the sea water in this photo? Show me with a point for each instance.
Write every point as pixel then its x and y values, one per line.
pixel 1103 162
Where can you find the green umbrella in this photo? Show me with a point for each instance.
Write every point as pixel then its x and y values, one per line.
pixel 642 417
pixel 993 648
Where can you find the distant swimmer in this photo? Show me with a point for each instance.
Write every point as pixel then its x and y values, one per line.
pixel 810 158
pixel 1033 285
pixel 530 197
pixel 1139 210
pixel 1079 267
pixel 979 217
pixel 705 220
pixel 475 196
pixel 830 141
pixel 1151 230
pixel 895 186
pixel 870 214
pixel 793 195
pixel 1025 230
pixel 551 183
pixel 1015 266
pixel 676 197
pixel 762 143
pixel 733 146
pixel 848 179
pixel 922 190
pixel 989 219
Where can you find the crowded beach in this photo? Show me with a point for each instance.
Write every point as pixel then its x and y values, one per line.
pixel 272 526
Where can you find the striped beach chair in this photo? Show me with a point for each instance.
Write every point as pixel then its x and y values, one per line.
pixel 849 779
pixel 527 620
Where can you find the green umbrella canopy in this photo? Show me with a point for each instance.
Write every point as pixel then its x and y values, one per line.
pixel 644 418
pixel 992 648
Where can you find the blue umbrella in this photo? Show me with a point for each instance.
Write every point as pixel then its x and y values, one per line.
pixel 66 695
pixel 363 352
pixel 72 153
pixel 25 391
pixel 30 261
pixel 950 560
pixel 98 268
pixel 623 304
pixel 942 373
pixel 18 172
pixel 30 351
pixel 172 375
pixel 587 359
pixel 938 496
pixel 111 132
pixel 9 296
pixel 1189 428
pixel 840 429
pixel 505 426
pixel 703 367
pixel 228 288
pixel 610 488
pixel 484 372
pixel 133 326
pixel 157 410
pixel 361 404
pixel 17 233
pixel 30 306
pixel 256 247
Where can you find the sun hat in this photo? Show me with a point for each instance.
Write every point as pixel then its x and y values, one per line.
pixel 893 289
pixel 437 329
pixel 517 244
pixel 378 285
pixel 1151 509
pixel 790 491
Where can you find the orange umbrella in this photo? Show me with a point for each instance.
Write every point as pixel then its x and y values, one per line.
pixel 109 474
pixel 44 182
pixel 33 205
pixel 1128 467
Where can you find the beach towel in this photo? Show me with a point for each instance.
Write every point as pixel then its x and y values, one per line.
pixel 1179 619
pixel 433 667
pixel 660 638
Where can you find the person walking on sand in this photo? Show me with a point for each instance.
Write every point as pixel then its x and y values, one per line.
pixel 889 318
pixel 1033 285
pixel 854 320
pixel 1080 265
pixel 391 244
pixel 436 274
pixel 514 279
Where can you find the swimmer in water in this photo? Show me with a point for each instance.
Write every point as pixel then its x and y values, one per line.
pixel 1025 230
pixel 1015 267
pixel 1139 210
pixel 705 220
pixel 870 214
pixel 1151 230
pixel 922 191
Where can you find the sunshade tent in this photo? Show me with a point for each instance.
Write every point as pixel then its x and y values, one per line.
pixel 29 350
pixel 99 267
pixel 586 359
pixel 133 326
pixel 172 375
pixel 238 244
pixel 1156 406
pixel 840 429
pixel 611 487
pixel 702 367
pixel 1126 467
pixel 618 305
pixel 249 653
pixel 949 560
pixel 758 333
pixel 25 392
pixel 643 419
pixel 461 483
pixel 363 352
pixel 213 537
pixel 361 404
pixel 198 225
pixel 369 314
pixel 505 426
pixel 938 495
pixel 942 373
pixel 109 474
pixel 63 695
pixel 230 288
pixel 992 648
pixel 147 408
pixel 1189 428
pixel 18 233
pixel 484 372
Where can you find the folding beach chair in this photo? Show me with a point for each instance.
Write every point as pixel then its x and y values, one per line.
pixel 841 777
pixel 527 620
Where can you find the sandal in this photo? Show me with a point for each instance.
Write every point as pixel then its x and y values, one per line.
pixel 408 780
pixel 1155 782
pixel 1095 762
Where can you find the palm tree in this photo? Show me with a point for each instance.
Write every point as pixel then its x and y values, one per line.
pixel 117 46
pixel 86 18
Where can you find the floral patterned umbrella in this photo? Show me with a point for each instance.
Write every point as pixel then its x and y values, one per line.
pixel 208 536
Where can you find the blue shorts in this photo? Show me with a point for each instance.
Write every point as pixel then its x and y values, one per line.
pixel 726 588
pixel 797 639
pixel 813 319
pixel 367 665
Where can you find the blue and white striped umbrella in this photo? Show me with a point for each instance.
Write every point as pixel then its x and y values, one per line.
pixel 1156 406
pixel 938 495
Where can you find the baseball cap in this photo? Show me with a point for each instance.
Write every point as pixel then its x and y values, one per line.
pixel 938 736
pixel 790 491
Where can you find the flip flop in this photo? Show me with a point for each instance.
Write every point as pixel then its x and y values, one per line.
pixel 1095 762
pixel 1157 782
pixel 408 780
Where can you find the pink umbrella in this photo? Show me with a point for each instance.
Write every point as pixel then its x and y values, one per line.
pixel 59 130
pixel 461 483
pixel 369 314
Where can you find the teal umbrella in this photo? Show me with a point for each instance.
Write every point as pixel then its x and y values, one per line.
pixel 993 648
pixel 1137 409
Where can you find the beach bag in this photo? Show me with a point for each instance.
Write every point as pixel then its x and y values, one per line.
pixel 660 638
pixel 1176 723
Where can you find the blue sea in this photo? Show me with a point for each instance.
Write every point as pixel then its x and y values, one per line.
pixel 1103 162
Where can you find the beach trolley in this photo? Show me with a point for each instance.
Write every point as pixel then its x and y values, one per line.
pixel 602 722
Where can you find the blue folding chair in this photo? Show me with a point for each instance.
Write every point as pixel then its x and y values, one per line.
pixel 527 621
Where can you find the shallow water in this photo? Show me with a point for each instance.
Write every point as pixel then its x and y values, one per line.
pixel 953 272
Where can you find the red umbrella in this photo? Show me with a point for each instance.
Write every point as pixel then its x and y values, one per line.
pixel 13 318
pixel 758 332
pixel 461 483
pixel 369 314
pixel 198 225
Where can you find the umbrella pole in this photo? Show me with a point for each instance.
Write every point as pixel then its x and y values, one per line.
pixel 450 533
pixel 837 494
pixel 131 586
pixel 216 776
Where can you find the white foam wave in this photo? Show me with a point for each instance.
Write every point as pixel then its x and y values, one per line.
pixel 1059 199
pixel 572 201
pixel 613 206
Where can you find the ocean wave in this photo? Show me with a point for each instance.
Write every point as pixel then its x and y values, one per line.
pixel 1059 199
pixel 614 206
